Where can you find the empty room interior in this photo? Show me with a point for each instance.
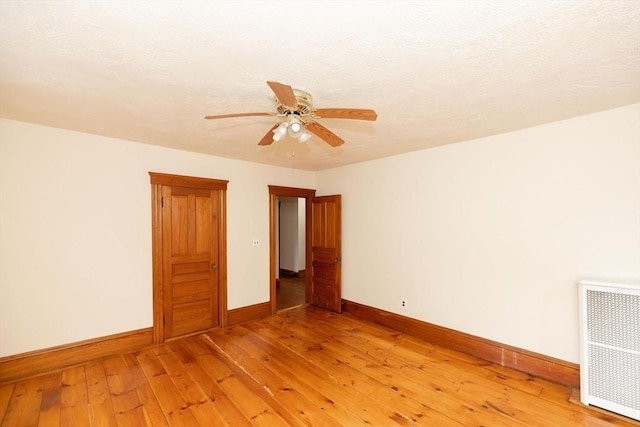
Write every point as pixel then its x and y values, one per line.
pixel 320 213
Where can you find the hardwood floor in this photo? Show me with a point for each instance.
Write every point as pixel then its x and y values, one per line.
pixel 304 366
pixel 290 292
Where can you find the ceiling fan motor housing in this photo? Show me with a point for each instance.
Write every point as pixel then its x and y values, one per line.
pixel 304 100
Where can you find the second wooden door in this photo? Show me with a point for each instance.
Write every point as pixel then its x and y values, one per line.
pixel 326 252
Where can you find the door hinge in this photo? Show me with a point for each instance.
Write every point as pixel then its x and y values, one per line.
pixel 162 202
pixel 164 319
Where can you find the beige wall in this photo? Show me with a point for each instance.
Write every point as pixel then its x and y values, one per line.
pixel 75 232
pixel 491 236
pixel 488 237
pixel 288 232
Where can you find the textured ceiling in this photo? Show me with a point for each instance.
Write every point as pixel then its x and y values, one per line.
pixel 436 72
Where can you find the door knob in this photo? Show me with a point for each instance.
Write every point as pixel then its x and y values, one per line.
pixel 214 266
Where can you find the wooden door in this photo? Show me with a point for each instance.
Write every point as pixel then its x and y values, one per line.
pixel 326 252
pixel 191 264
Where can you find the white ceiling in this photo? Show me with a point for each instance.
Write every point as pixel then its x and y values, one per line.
pixel 436 72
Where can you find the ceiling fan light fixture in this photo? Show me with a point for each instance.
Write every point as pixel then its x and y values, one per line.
pixel 280 131
pixel 296 128
pixel 304 137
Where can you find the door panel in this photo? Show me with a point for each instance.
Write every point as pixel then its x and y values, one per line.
pixel 190 259
pixel 326 252
pixel 179 241
pixel 191 317
pixel 203 215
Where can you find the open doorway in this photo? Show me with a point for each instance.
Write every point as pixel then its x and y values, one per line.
pixel 306 196
pixel 323 247
pixel 291 253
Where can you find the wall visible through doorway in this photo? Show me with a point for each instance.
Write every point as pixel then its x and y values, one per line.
pixel 291 259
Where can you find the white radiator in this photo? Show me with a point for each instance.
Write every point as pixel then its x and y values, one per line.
pixel 610 346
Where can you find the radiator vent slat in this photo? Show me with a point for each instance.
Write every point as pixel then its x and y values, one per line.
pixel 611 317
pixel 610 346
pixel 614 375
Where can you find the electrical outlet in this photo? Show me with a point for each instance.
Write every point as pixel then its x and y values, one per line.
pixel 255 242
pixel 404 303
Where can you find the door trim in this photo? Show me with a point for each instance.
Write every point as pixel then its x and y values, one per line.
pixel 308 195
pixel 157 181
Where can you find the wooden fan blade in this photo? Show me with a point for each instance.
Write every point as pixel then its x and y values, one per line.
pixel 284 93
pixel 325 134
pixel 346 113
pixel 268 138
pixel 226 116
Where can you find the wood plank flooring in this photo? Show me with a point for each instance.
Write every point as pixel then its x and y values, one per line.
pixel 290 293
pixel 302 367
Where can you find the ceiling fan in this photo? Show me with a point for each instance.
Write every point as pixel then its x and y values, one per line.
pixel 300 117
